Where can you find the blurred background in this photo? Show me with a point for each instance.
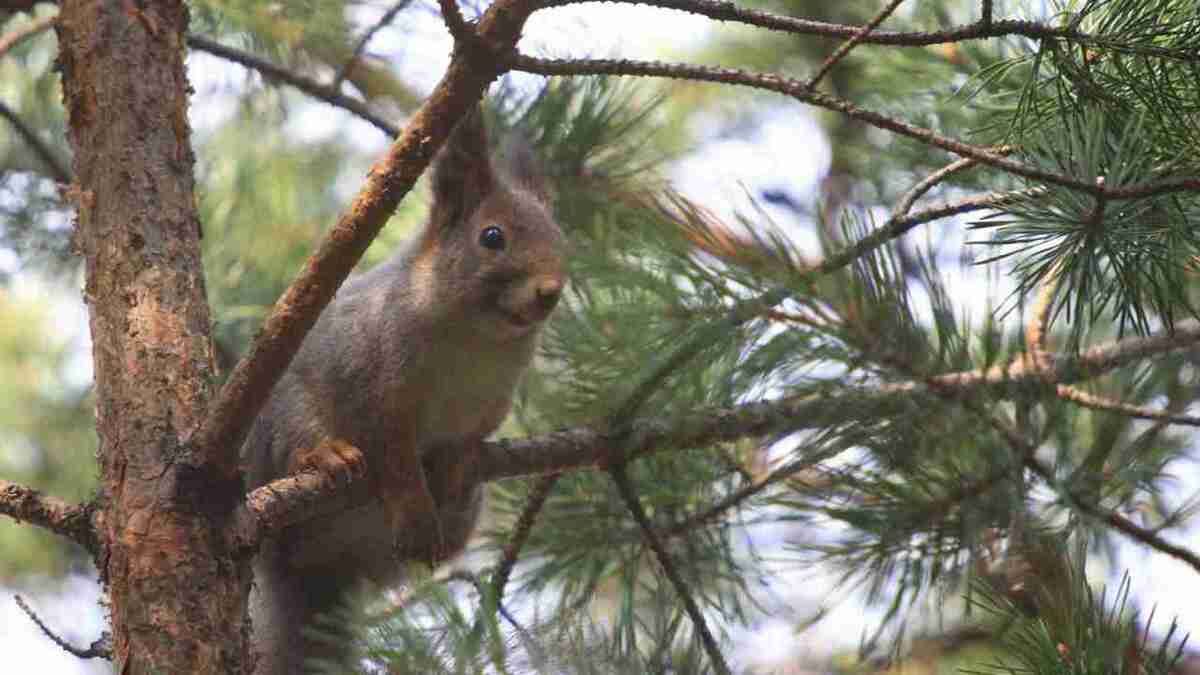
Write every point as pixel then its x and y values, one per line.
pixel 275 166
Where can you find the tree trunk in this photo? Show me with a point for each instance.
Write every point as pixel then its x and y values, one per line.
pixel 177 595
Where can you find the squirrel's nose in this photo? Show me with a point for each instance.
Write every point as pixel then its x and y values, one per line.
pixel 548 293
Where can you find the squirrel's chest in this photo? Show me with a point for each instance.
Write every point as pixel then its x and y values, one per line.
pixel 466 398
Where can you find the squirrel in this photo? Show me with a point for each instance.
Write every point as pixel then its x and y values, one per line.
pixel 411 365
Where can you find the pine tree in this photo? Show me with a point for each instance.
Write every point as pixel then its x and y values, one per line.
pixel 708 378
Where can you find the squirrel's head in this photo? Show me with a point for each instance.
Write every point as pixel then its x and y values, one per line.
pixel 494 258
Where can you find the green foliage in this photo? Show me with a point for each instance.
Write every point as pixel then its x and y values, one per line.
pixel 45 429
pixel 35 222
pixel 1097 638
pixel 1112 108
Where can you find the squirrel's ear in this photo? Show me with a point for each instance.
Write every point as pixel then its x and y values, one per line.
pixel 524 167
pixel 463 174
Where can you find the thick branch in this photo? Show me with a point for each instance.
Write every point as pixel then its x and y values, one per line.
pixel 176 596
pixel 390 179
pixel 73 521
pixel 453 18
pixel 801 92
pixel 292 500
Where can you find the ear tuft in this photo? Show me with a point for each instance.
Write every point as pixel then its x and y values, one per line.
pixel 522 165
pixel 463 175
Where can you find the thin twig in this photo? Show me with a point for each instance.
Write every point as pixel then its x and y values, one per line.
pixel 798 90
pixel 73 521
pixel 100 649
pixel 898 226
pixel 927 184
pixel 273 71
pixel 722 10
pixel 849 44
pixel 361 45
pixel 1117 521
pixel 621 480
pixel 732 500
pixel 1038 327
pixel 1083 398
pixel 24 32
pixel 1113 519
pixel 49 157
pixel 521 530
pixel 477 583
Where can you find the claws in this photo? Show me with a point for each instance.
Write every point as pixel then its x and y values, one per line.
pixel 333 458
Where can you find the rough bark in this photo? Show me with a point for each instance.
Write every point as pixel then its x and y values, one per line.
pixel 177 595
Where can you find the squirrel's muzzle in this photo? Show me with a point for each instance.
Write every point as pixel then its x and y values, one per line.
pixel 549 290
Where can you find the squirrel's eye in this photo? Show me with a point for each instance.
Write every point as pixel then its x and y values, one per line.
pixel 492 237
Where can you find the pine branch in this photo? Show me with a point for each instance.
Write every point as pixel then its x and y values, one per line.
pixel 363 41
pixel 1083 398
pixel 328 93
pixel 1027 451
pixel 936 510
pixel 1079 503
pixel 731 501
pixel 799 91
pixel 288 501
pixel 524 526
pixel 23 33
pixel 900 224
pixel 100 649
pixel 629 495
pixel 1115 520
pixel 18 5
pixel 49 157
pixel 721 10
pixel 292 500
pixel 477 584
pixel 215 444
pixel 73 521
pixel 1037 329
pixel 858 37
pixel 928 183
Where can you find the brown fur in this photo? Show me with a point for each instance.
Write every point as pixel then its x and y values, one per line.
pixel 412 365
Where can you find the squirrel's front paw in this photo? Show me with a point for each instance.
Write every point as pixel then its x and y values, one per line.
pixel 333 458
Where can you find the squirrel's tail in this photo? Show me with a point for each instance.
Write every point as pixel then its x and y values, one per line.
pixel 301 622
